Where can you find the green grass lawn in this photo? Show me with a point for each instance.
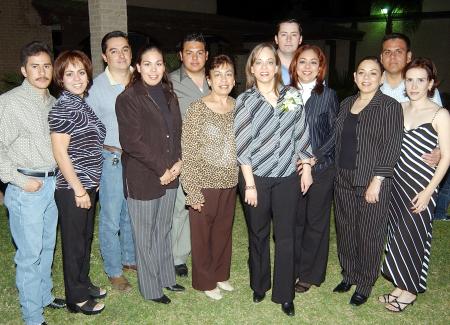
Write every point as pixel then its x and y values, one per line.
pixel 318 306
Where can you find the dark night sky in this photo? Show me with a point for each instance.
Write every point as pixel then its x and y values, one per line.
pixel 273 10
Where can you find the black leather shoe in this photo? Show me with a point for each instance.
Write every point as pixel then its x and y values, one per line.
pixel 162 300
pixel 357 299
pixel 342 287
pixel 57 303
pixel 258 297
pixel 176 287
pixel 288 308
pixel 181 270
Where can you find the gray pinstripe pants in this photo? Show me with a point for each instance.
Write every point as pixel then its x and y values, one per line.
pixel 151 221
pixel 361 230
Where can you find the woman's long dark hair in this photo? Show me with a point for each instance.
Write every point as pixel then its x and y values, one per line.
pixel 136 76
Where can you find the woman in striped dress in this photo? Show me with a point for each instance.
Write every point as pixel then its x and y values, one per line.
pixel 414 193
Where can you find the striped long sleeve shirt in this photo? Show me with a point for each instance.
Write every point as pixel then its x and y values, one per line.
pixel 73 116
pixel 379 134
pixel 270 139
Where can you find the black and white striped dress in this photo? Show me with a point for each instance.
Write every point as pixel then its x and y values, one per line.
pixel 409 234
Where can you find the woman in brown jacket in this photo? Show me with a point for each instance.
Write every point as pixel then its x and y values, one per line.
pixel 150 134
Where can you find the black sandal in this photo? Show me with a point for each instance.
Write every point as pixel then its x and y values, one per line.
pixel 398 305
pixel 87 308
pixel 95 292
pixel 387 298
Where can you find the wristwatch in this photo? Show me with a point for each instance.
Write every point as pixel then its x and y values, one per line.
pixel 380 178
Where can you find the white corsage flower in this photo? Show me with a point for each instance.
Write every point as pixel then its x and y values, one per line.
pixel 291 102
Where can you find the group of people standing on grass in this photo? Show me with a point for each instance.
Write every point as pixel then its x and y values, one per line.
pixel 285 144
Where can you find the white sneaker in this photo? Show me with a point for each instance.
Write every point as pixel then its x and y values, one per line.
pixel 225 285
pixel 214 294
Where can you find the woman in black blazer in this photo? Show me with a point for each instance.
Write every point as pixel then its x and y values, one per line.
pixel 369 132
pixel 149 122
pixel 307 71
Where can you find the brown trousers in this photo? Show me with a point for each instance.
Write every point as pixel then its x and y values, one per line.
pixel 211 238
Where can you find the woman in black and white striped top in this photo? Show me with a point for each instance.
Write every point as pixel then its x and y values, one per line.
pixel 77 137
pixel 271 135
pixel 368 140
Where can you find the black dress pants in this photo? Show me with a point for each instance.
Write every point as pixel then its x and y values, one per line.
pixel 312 229
pixel 361 230
pixel 277 200
pixel 77 229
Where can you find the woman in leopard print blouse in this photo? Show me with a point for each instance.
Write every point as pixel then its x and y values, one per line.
pixel 209 178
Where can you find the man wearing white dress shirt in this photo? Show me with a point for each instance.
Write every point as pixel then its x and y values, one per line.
pixel 395 55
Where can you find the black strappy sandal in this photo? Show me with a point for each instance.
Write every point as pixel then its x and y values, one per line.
pixel 387 298
pixel 398 305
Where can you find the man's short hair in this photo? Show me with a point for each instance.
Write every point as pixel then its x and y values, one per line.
pixel 288 21
pixel 107 37
pixel 34 48
pixel 401 36
pixel 193 37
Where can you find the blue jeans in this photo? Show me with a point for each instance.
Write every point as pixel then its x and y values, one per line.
pixel 116 241
pixel 443 199
pixel 33 218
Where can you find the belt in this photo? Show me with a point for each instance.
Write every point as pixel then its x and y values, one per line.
pixel 35 173
pixel 112 149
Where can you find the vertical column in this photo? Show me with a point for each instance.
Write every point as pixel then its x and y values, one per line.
pixel 105 16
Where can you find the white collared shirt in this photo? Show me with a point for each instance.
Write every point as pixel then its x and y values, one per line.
pixel 399 93
pixel 306 89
